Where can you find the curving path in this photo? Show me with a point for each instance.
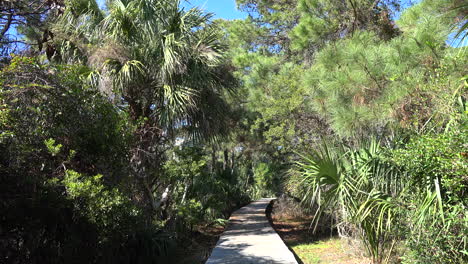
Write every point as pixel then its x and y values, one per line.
pixel 250 239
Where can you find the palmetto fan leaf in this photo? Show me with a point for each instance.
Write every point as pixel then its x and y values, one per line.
pixel 124 74
pixel 178 101
pixel 162 59
pixel 348 182
pixel 379 209
pixel 120 23
pixel 462 11
pixel 322 179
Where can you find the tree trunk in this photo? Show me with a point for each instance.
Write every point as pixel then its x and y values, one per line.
pixel 145 154
pixel 226 159
pixel 213 159
pixel 184 196
pixel 233 160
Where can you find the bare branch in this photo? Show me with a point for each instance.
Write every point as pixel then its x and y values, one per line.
pixel 6 27
pixel 4 42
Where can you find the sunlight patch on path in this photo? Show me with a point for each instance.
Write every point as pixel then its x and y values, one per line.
pixel 249 238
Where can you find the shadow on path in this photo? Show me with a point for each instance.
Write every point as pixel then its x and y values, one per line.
pixel 249 238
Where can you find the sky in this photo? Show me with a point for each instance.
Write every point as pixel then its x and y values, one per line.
pixel 221 8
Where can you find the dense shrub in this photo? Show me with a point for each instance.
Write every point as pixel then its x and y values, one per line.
pixel 436 226
pixel 202 194
pixel 54 134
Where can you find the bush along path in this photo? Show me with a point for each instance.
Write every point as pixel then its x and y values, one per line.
pixel 249 238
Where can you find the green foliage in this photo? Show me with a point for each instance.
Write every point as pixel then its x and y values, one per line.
pixel 203 192
pixel 268 179
pixel 439 242
pixel 101 205
pixel 441 157
pixel 61 115
pixel 436 164
pixel 459 10
pixel 164 65
pixel 273 20
pixel 220 222
pixel 153 53
pixel 362 84
pixel 191 212
pixel 275 92
pixel 188 162
pixel 55 131
pixel 53 148
pixel 420 198
pixel 347 183
pixel 322 21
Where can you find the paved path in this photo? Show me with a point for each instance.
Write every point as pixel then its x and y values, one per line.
pixel 249 239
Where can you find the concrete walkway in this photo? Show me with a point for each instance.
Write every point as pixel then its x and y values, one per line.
pixel 250 239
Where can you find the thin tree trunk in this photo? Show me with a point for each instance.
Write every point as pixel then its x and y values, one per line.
pixel 185 194
pixel 213 159
pixel 7 25
pixel 149 194
pixel 226 159
pixel 233 160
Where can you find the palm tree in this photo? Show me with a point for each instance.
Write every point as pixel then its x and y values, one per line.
pixel 461 12
pixel 161 62
pixel 357 187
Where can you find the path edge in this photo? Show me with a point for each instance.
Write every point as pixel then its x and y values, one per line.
pixel 268 211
